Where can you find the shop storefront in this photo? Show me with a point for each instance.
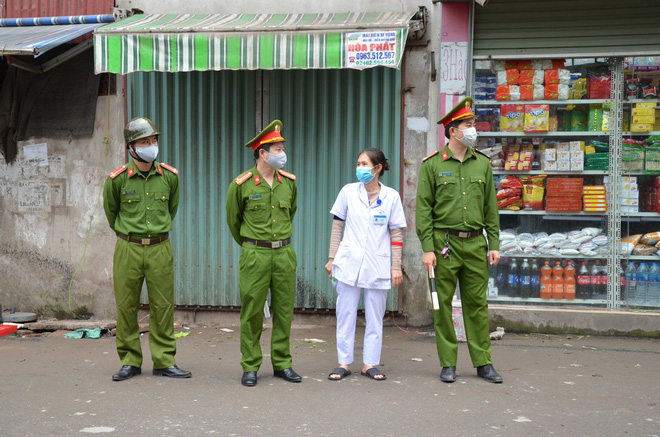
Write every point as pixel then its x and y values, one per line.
pixel 210 82
pixel 568 106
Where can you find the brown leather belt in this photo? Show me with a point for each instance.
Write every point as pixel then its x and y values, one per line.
pixel 464 234
pixel 143 241
pixel 268 244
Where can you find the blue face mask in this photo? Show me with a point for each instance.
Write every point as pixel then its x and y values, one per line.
pixel 147 154
pixel 364 174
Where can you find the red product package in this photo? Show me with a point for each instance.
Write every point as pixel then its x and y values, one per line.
pixel 510 182
pixel 558 63
pixel 507 201
pixel 526 92
pixel 502 93
pixel 551 91
pixel 551 77
pixel 526 77
pixel 482 126
pixel 507 192
pixel 599 86
pixel 524 65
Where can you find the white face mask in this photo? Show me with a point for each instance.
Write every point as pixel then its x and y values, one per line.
pixel 469 137
pixel 148 154
pixel 277 161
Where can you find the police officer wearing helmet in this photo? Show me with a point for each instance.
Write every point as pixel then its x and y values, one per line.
pixel 140 200
pixel 261 204
pixel 456 202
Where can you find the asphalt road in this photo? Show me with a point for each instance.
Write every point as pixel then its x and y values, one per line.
pixel 562 386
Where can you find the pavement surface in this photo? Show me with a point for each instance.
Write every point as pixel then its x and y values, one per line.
pixel 553 385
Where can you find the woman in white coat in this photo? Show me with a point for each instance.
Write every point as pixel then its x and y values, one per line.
pixel 368 257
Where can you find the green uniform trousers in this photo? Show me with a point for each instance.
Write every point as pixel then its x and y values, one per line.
pixel 467 262
pixel 133 263
pixel 261 268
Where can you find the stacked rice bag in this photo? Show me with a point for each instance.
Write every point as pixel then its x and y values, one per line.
pixel 580 242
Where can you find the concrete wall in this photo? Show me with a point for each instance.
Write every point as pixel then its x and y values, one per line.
pixel 45 214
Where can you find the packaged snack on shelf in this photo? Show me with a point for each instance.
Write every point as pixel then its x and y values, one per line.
pixel 652 158
pixel 563 155
pixel 536 118
pixel 551 91
pixel 550 154
pixel 630 202
pixel 507 77
pixel 643 119
pixel 594 189
pixel 507 92
pixel 533 197
pixel 644 250
pixel 646 105
pixel 576 146
pixel 599 85
pixel 551 77
pixel 626 209
pixel 595 209
pixel 504 65
pixel 550 166
pixel 563 186
pixel 651 238
pixel 526 77
pixel 637 111
pixel 640 127
pixel 599 146
pixel 512 118
pixel 510 182
pixel 564 165
pixel 542 64
pixel 594 198
pixel 577 118
pixel 506 192
pixel 578 89
pixel 563 204
pixel 527 92
pixel 563 147
pixel 552 124
pixel 523 65
pixel 557 63
pixel 595 118
pixel 632 156
pixel 577 166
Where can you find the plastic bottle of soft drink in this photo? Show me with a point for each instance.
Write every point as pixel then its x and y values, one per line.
pixel 546 281
pixel 525 279
pixel 557 281
pixel 535 280
pixel 595 281
pixel 583 281
pixel 569 281
pixel 654 284
pixel 631 283
pixel 500 277
pixel 602 281
pixel 513 279
pixel 642 283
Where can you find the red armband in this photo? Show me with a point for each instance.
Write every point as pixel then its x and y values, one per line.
pixel 397 243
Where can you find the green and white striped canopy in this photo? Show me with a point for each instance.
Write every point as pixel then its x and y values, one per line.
pixel 175 43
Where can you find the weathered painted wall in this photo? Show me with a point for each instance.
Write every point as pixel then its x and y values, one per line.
pixel 45 214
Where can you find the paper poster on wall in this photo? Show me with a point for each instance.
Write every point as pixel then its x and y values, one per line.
pixel 369 49
pixel 36 154
pixel 453 67
pixel 33 196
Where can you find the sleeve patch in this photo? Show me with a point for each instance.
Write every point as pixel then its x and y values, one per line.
pixel 117 172
pixel 431 155
pixel 286 174
pixel 242 178
pixel 169 167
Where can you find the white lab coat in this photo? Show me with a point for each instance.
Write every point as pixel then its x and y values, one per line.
pixel 364 257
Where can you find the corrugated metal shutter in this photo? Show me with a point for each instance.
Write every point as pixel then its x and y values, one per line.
pixel 329 116
pixel 566 28
pixel 206 118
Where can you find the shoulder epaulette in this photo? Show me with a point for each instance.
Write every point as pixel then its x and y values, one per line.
pixel 169 167
pixel 288 175
pixel 117 172
pixel 481 153
pixel 431 155
pixel 242 178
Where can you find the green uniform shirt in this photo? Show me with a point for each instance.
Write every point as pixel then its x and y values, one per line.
pixel 456 195
pixel 260 212
pixel 139 206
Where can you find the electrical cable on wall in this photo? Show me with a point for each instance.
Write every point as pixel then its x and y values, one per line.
pixel 98 199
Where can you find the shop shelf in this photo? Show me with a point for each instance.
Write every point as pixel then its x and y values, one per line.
pixel 640 217
pixel 637 134
pixel 641 258
pixel 544 134
pixel 547 301
pixel 552 173
pixel 545 255
pixel 640 101
pixel 640 173
pixel 536 102
pixel 554 214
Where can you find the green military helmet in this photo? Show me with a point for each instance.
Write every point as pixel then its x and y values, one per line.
pixel 139 127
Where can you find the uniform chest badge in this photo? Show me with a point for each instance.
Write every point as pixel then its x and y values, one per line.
pixel 444 173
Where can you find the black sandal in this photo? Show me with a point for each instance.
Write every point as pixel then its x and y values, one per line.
pixel 343 373
pixel 373 372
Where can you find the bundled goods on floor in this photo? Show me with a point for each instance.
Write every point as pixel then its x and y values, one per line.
pixel 629 193
pixel 641 244
pixel 580 242
pixel 594 198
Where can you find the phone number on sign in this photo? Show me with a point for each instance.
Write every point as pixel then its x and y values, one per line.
pixel 374 55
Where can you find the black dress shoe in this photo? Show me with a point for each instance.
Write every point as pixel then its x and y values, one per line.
pixel 172 372
pixel 126 372
pixel 288 375
pixel 488 373
pixel 249 379
pixel 448 374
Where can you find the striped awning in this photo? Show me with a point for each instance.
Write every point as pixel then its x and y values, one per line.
pixel 176 43
pixel 35 36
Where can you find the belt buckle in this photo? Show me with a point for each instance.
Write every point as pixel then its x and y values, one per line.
pixel 276 244
pixel 463 234
pixel 146 241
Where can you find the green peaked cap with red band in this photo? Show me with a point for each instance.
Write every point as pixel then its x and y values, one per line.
pixel 460 111
pixel 271 134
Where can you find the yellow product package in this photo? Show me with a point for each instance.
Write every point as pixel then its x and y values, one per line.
pixel 641 127
pixel 511 118
pixel 646 105
pixel 537 118
pixel 533 197
pixel 643 119
pixel 643 111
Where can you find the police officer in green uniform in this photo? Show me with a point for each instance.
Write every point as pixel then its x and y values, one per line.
pixel 261 204
pixel 140 201
pixel 456 201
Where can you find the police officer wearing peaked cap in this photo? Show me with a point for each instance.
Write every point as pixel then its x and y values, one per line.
pixel 140 200
pixel 261 204
pixel 456 201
